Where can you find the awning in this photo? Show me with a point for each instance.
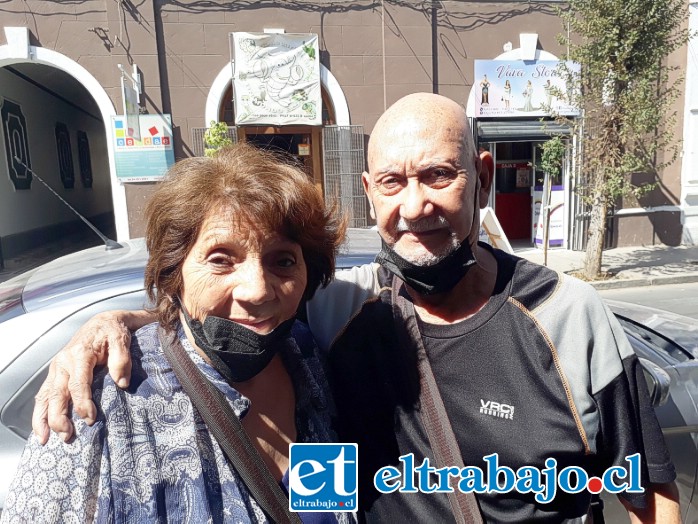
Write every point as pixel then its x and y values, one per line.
pixel 519 130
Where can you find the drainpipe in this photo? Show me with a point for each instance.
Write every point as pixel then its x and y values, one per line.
pixel 434 49
pixel 385 87
pixel 162 58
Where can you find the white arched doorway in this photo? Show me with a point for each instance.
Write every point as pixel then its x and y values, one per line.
pixel 221 84
pixel 18 50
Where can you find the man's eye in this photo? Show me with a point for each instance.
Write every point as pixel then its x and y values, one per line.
pixel 440 176
pixel 389 185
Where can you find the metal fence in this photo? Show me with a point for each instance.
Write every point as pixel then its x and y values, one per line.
pixel 198 144
pixel 581 217
pixel 343 164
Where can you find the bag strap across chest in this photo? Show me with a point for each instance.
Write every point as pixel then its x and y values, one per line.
pixel 438 427
pixel 226 427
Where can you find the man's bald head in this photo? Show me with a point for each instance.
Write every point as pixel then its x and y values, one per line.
pixel 419 111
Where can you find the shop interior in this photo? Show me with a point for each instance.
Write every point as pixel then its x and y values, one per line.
pixel 517 186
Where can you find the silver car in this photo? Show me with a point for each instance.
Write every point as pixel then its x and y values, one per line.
pixel 41 309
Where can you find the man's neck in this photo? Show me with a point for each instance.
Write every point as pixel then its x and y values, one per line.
pixel 467 298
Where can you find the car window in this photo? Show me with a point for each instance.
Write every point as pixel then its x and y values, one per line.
pixel 21 380
pixel 659 343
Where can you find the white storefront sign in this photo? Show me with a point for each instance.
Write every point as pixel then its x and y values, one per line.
pixel 517 88
pixel 276 79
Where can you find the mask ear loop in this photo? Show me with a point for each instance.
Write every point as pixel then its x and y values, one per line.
pixel 476 215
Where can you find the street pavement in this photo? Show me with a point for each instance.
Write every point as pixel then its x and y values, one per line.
pixel 629 266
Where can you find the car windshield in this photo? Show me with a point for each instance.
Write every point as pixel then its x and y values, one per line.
pixel 11 296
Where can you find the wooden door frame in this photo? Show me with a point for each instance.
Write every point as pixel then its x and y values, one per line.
pixel 315 134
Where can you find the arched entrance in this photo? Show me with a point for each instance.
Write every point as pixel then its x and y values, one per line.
pixel 332 154
pixel 306 139
pixel 18 52
pixel 333 95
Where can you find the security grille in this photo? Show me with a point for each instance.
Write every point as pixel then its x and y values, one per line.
pixel 198 144
pixel 343 161
pixel 581 217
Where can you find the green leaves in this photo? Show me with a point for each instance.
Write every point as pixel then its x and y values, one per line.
pixel 625 91
pixel 552 155
pixel 216 137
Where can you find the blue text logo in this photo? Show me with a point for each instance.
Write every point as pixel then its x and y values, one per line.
pixel 503 479
pixel 323 477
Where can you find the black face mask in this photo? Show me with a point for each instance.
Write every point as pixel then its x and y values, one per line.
pixel 236 352
pixel 429 280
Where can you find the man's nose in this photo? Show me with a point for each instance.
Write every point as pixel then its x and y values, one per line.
pixel 416 203
pixel 252 283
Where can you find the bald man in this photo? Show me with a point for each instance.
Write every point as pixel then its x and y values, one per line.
pixel 532 369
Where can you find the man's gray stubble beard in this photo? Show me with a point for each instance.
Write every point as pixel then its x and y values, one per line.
pixel 426 258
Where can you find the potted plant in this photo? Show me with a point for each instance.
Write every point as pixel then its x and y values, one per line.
pixel 216 137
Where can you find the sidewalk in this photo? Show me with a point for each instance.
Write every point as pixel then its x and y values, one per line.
pixel 630 266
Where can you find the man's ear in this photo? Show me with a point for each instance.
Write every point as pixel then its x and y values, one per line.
pixel 485 183
pixel 366 182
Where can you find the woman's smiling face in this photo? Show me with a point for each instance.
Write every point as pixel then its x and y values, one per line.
pixel 235 271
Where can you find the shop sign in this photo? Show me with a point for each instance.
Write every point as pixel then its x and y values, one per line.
pixel 276 79
pixel 147 159
pixel 556 230
pixel 517 88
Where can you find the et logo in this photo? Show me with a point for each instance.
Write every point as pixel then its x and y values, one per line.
pixel 323 477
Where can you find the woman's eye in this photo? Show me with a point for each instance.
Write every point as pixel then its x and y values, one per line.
pixel 286 262
pixel 219 260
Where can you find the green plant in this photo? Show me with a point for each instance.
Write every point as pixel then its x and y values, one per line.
pixel 551 158
pixel 552 154
pixel 216 137
pixel 625 89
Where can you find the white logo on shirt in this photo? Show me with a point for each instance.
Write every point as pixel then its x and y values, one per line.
pixel 497 409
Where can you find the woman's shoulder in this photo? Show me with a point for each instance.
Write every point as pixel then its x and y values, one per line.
pixel 146 339
pixel 152 380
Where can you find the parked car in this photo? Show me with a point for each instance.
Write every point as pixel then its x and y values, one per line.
pixel 41 309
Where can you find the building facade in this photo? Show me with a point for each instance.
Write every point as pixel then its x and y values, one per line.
pixel 60 87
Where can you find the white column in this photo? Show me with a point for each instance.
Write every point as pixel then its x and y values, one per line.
pixel 689 166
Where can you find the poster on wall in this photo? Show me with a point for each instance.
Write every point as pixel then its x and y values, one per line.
pixel 557 216
pixel 517 88
pixel 276 79
pixel 131 109
pixel 147 159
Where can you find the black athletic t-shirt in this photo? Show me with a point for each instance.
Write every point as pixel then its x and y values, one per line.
pixel 543 370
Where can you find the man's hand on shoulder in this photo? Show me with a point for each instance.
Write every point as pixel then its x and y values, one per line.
pixel 104 339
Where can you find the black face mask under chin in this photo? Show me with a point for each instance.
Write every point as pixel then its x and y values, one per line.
pixel 429 280
pixel 236 352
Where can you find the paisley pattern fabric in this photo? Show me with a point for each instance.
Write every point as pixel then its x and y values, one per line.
pixel 149 457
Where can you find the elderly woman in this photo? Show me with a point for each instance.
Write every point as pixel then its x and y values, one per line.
pixel 235 243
